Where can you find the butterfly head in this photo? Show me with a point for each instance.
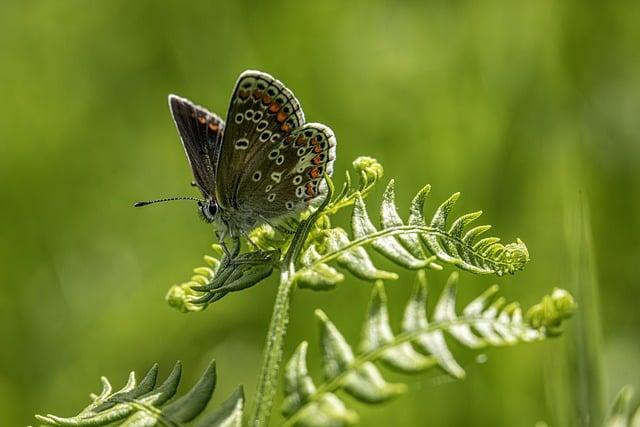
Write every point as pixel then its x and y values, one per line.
pixel 208 210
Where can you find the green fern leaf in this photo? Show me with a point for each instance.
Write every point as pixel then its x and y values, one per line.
pixel 364 382
pixel 389 218
pixel 144 405
pixel 370 171
pixel 433 343
pixel 421 344
pixel 317 276
pixel 220 277
pixel 354 258
pixel 298 385
pixel 622 413
pixel 389 246
pixel 326 409
pixel 228 414
pixel 405 244
pixel 377 333
pixel 451 246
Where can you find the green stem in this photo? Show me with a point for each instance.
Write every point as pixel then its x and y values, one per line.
pixel 268 382
pixel 403 229
pixel 269 373
pixel 348 196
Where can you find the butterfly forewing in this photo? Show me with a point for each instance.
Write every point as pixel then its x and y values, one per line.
pixel 289 175
pixel 262 112
pixel 201 134
pixel 265 163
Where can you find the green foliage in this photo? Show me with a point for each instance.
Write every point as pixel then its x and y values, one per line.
pixel 144 404
pixel 623 413
pixel 369 172
pixel 315 257
pixel 221 276
pixel 486 321
pixel 406 244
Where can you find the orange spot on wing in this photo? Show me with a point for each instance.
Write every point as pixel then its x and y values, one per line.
pixel 316 160
pixel 285 128
pixel 300 140
pixel 213 127
pixel 314 173
pixel 317 149
pixel 257 94
pixel 281 117
pixel 266 99
pixel 275 107
pixel 202 120
pixel 310 191
pixel 243 94
pixel 314 141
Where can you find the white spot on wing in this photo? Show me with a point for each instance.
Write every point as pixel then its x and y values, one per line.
pixel 242 144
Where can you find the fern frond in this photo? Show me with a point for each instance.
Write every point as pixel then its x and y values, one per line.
pixel 369 172
pixel 221 276
pixel 622 413
pixel 486 321
pixel 144 404
pixel 406 244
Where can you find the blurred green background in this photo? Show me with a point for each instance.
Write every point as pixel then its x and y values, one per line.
pixel 530 109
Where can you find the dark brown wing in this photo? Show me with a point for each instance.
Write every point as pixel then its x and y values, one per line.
pixel 289 177
pixel 262 112
pixel 201 134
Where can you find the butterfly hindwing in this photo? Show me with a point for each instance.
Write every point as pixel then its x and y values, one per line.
pixel 289 176
pixel 201 134
pixel 262 112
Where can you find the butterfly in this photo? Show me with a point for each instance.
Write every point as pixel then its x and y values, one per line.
pixel 264 165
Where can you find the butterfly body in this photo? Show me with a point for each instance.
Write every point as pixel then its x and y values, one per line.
pixel 264 164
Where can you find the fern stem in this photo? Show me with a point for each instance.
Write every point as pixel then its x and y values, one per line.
pixel 269 373
pixel 336 382
pixel 394 231
pixel 268 381
pixel 154 413
pixel 370 238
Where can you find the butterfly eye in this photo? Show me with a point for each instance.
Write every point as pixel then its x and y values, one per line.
pixel 209 210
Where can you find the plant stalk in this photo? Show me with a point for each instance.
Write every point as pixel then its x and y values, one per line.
pixel 269 373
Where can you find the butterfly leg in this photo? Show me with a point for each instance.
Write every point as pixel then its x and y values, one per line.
pixel 221 239
pixel 223 244
pixel 236 246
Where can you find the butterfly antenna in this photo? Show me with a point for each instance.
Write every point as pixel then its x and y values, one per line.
pixel 169 199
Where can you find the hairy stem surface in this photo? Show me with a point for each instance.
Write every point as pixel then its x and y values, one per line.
pixel 269 374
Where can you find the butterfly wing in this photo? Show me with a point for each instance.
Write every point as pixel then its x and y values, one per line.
pixel 262 112
pixel 201 134
pixel 289 176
